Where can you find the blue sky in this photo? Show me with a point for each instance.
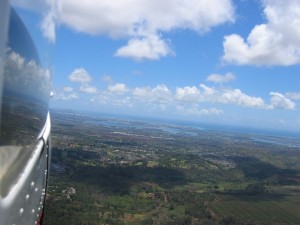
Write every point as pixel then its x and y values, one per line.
pixel 218 61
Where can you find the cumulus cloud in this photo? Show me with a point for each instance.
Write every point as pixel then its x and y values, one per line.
pixel 188 94
pixel 186 100
pixel 69 97
pixel 279 101
pixel 140 16
pixel 85 88
pixel 80 75
pixel 152 47
pixel 107 98
pixel 189 100
pixel 142 21
pixel 237 97
pixel 65 96
pixel 293 95
pixel 195 111
pixel 159 94
pixel 118 88
pixel 219 78
pixel 276 42
pixel 214 95
pixel 163 98
pixel 102 99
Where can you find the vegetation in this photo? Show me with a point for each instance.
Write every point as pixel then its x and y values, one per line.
pixel 107 171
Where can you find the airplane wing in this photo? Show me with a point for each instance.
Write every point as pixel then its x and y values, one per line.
pixel 25 142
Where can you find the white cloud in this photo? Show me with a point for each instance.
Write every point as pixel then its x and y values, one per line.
pixel 80 75
pixel 132 17
pixel 66 94
pixel 188 94
pixel 218 78
pixel 71 96
pixel 161 97
pixel 152 48
pixel 276 42
pixel 160 94
pixel 88 89
pixel 111 99
pixel 293 95
pixel 279 101
pixel 118 88
pixel 189 101
pixel 102 98
pixel 68 89
pixel 141 92
pixel 222 95
pixel 138 20
pixel 237 97
pixel 195 111
pixel 65 97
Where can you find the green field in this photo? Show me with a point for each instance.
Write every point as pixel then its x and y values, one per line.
pixel 283 209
